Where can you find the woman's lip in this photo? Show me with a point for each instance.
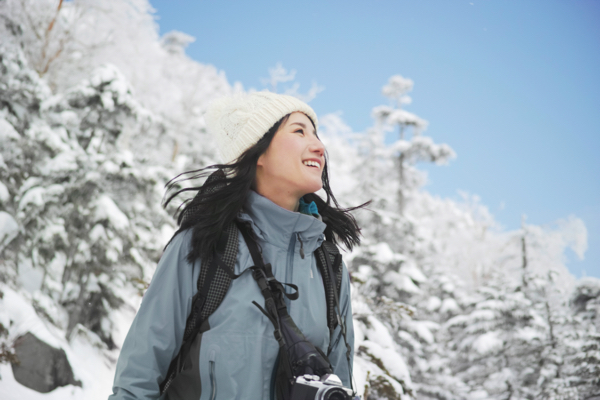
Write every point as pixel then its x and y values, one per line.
pixel 316 160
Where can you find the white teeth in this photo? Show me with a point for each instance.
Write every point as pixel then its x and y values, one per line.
pixel 312 164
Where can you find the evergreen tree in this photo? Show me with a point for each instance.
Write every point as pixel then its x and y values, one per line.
pixel 66 170
pixel 418 148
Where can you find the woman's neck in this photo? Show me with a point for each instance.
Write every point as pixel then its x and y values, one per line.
pixel 289 201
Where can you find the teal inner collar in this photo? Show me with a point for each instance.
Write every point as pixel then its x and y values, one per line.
pixel 307 208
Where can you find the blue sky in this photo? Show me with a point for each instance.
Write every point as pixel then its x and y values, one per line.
pixel 512 86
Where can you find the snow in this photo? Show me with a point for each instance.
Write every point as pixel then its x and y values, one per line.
pixel 384 254
pixel 51 230
pixel 529 334
pixel 176 41
pixel 359 372
pixel 402 117
pixel 122 317
pixel 24 318
pixel 86 352
pixel 401 282
pixel 423 330
pixel 98 233
pixel 363 273
pixel 30 277
pixel 107 209
pixel 94 369
pixel 575 234
pixel 66 161
pixel 363 369
pixel 89 368
pixel 479 394
pixel 4 194
pixel 7 131
pixel 411 270
pixel 433 303
pixel 393 362
pixel 60 316
pixel 408 338
pixel 34 196
pixel 166 233
pixel 55 139
pixel 449 305
pixel 13 390
pixel 499 381
pixel 378 333
pixel 8 228
pixel 117 83
pixel 478 315
pixel 397 86
pixel 488 342
pixel 359 336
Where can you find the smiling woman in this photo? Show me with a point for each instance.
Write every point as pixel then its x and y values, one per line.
pixel 256 212
pixel 292 165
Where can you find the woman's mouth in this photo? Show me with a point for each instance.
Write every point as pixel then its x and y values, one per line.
pixel 310 163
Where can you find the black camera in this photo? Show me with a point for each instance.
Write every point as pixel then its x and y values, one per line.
pixel 329 387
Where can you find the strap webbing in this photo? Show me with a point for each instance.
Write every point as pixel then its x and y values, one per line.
pixel 192 327
pixel 272 291
pixel 194 320
pixel 330 281
pixel 341 320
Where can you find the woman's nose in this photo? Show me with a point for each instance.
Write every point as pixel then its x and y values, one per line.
pixel 317 147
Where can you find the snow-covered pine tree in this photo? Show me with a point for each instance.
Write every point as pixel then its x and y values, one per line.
pixel 516 337
pixel 582 364
pixel 388 266
pixel 418 148
pixel 67 170
pixel 81 226
pixel 68 40
pixel 494 342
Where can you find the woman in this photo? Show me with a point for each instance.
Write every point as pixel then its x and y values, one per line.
pixel 274 162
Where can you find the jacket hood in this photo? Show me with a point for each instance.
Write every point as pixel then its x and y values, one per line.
pixel 276 225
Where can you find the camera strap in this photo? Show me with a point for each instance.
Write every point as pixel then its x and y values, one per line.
pixel 297 355
pixel 341 320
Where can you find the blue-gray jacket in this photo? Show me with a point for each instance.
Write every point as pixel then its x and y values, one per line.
pixel 237 355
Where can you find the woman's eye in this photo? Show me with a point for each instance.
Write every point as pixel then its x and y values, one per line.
pixel 300 131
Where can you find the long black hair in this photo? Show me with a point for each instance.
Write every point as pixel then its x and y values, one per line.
pixel 222 196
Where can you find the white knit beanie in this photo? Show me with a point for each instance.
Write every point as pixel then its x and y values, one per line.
pixel 238 122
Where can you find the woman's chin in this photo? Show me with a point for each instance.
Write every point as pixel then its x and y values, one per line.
pixel 313 188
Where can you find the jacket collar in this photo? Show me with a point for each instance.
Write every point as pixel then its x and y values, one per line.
pixel 276 225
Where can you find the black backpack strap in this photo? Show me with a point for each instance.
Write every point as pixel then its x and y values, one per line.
pixel 329 254
pixel 329 262
pixel 213 283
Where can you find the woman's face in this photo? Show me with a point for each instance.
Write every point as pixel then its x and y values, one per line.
pixel 292 164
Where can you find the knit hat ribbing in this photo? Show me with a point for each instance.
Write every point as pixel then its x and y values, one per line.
pixel 238 122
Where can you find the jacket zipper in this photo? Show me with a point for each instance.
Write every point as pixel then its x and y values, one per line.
pixel 301 246
pixel 213 377
pixel 289 271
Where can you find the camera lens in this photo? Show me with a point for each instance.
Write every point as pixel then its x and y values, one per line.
pixel 334 394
